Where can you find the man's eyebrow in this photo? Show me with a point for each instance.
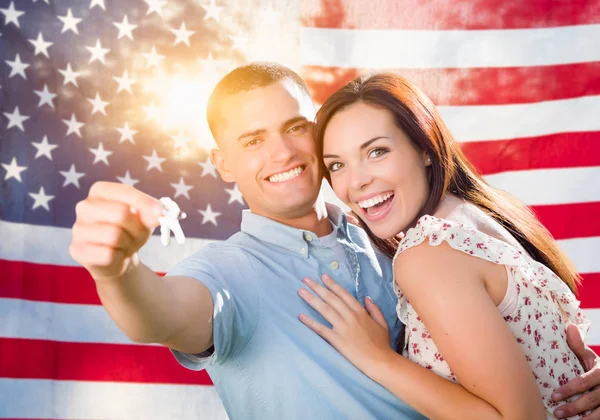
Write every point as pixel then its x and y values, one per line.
pixel 362 146
pixel 294 120
pixel 263 130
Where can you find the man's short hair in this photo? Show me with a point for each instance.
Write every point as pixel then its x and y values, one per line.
pixel 243 79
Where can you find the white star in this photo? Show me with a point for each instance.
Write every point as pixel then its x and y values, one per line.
pixel 11 14
pixel 151 111
pixel 153 58
pixel 125 28
pixel 154 161
pixel 46 96
pixel 70 75
pixel 209 66
pixel 13 170
pixel 69 22
pixel 16 119
pixel 124 82
pixel 41 199
pixel 44 148
pixel 212 11
pixel 17 67
pixel 182 35
pixel 240 40
pixel 45 1
pixel 127 179
pixel 41 45
pixel 74 126
pixel 71 176
pixel 209 215
pixel 180 140
pixel 100 154
pixel 155 6
pixel 208 168
pixel 98 104
pixel 182 189
pixel 235 195
pixel 98 52
pixel 97 3
pixel 126 133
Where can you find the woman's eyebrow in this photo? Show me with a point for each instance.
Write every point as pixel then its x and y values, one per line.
pixel 362 146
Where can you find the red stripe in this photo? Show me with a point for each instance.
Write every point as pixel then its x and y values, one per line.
pixel 448 14
pixel 41 359
pixel 476 86
pixel 564 150
pixel 565 221
pixel 589 291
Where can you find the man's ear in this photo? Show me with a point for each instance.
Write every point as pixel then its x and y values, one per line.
pixel 219 161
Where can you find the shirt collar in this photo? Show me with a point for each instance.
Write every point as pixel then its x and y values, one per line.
pixel 290 238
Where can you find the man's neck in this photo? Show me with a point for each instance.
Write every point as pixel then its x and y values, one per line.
pixel 316 220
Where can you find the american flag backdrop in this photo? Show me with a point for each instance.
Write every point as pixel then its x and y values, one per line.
pixel 116 90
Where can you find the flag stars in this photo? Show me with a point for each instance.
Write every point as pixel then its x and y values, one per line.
pixel 152 111
pixel 126 133
pixel 73 126
pixel 72 176
pixel 44 148
pixel 180 141
pixel 13 170
pixel 124 82
pixel 70 75
pixel 182 35
pixel 208 168
pixel 99 3
pixel 209 216
pixel 98 104
pixel 212 11
pixel 46 97
pixel 181 188
pixel 98 53
pixel 125 28
pixel 240 41
pixel 235 195
pixel 69 22
pixel 154 161
pixel 127 179
pixel 11 15
pixel 16 119
pixel 155 6
pixel 153 59
pixel 41 199
pixel 100 154
pixel 41 45
pixel 17 67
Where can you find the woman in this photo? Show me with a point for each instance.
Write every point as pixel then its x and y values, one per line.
pixel 483 289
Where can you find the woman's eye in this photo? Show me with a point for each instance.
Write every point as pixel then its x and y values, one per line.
pixel 335 166
pixel 378 152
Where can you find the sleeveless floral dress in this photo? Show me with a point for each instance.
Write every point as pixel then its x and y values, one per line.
pixel 544 306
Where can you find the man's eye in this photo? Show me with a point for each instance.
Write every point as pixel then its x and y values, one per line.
pixel 251 143
pixel 334 166
pixel 298 129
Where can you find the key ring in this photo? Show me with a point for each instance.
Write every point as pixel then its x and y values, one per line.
pixel 169 221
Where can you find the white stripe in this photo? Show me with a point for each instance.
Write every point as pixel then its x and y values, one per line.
pixel 500 122
pixel 50 245
pixel 593 337
pixel 550 186
pixel 33 398
pixel 368 48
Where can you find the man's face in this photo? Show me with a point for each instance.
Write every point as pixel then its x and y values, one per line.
pixel 266 147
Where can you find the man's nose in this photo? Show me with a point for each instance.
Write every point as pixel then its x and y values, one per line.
pixel 280 148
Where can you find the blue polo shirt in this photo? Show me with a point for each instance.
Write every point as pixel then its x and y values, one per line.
pixel 266 364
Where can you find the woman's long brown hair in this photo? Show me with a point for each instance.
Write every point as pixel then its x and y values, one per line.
pixel 449 172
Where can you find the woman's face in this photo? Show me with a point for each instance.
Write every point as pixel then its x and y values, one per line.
pixel 375 169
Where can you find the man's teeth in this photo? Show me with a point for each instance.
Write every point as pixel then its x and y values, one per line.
pixel 286 176
pixel 365 204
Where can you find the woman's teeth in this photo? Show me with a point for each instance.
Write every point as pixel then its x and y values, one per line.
pixel 373 201
pixel 286 176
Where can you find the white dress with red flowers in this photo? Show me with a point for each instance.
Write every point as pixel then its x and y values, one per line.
pixel 537 306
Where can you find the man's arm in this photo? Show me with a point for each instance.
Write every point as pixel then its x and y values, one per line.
pixel 112 224
pixel 589 381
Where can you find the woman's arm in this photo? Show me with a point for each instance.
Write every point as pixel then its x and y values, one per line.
pixel 447 290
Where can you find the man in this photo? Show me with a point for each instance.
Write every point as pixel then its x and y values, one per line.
pixel 232 307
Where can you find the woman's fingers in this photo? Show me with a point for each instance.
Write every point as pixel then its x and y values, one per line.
pixel 324 308
pixel 326 333
pixel 342 293
pixel 328 297
pixel 375 312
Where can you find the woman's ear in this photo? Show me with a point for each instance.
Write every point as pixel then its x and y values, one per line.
pixel 426 159
pixel 220 161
